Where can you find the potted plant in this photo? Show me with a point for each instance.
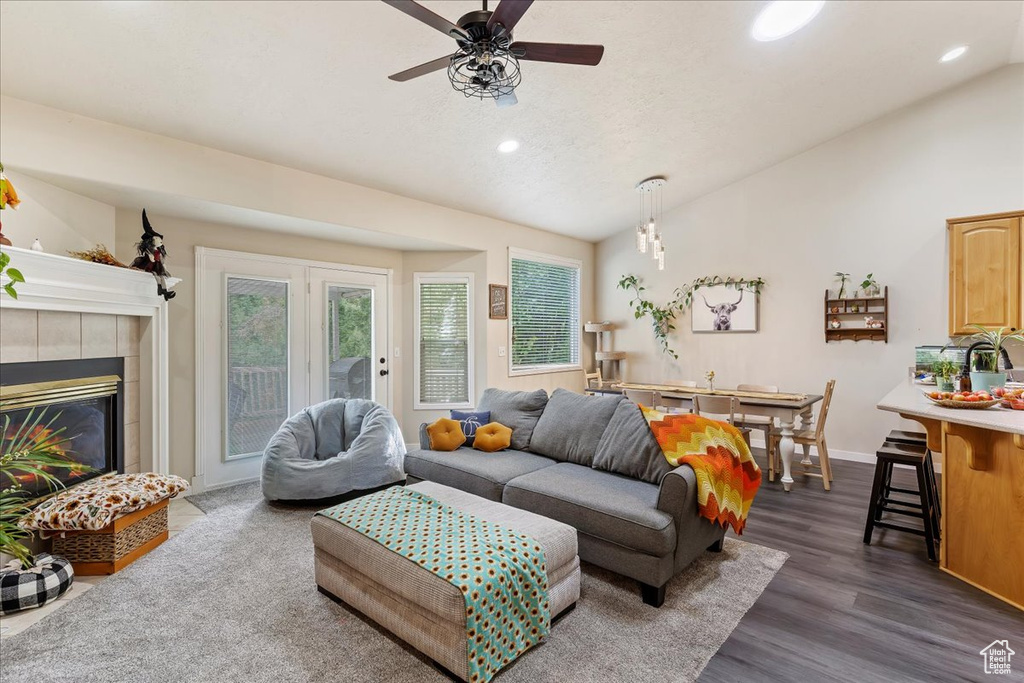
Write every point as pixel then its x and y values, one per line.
pixel 869 287
pixel 945 370
pixel 29 450
pixel 843 278
pixel 985 374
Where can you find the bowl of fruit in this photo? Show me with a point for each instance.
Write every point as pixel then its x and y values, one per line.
pixel 1009 398
pixel 970 400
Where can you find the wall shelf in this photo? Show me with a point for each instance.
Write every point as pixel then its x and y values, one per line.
pixel 852 325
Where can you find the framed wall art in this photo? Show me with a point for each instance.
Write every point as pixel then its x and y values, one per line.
pixel 497 298
pixel 724 309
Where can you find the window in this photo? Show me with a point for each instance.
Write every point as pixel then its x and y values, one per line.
pixel 444 355
pixel 545 313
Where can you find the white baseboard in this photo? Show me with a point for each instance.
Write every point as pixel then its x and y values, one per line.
pixel 852 456
pixel 199 485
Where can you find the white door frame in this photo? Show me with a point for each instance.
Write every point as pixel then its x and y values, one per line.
pixel 202 288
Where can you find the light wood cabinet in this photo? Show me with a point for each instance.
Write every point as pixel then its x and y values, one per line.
pixel 985 267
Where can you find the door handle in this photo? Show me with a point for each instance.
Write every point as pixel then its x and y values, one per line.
pixel 383 373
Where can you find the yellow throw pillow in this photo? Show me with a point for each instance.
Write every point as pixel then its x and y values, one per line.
pixel 445 435
pixel 492 437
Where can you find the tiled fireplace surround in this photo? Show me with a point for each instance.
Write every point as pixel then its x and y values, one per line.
pixel 69 309
pixel 29 335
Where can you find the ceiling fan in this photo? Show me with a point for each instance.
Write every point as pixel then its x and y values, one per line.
pixel 486 64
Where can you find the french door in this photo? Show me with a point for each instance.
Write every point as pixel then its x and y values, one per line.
pixel 350 359
pixel 274 336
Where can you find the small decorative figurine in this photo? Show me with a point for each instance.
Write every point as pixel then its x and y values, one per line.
pixel 151 257
pixel 36 245
pixel 834 323
pixel 872 323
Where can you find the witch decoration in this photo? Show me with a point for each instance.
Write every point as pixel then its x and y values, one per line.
pixel 151 257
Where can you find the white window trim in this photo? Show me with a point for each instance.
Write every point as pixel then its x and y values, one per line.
pixel 525 254
pixel 443 279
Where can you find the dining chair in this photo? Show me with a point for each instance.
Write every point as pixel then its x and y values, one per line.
pixel 720 406
pixel 644 397
pixel 760 422
pixel 808 437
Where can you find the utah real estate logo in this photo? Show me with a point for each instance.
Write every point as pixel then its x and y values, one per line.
pixel 997 657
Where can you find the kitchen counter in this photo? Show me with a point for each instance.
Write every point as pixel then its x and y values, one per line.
pixel 909 400
pixel 982 489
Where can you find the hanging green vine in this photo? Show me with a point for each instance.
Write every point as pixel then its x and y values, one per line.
pixel 662 317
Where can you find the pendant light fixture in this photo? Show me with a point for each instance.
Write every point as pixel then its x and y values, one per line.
pixel 648 229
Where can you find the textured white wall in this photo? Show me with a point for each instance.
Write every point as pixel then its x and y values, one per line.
pixel 873 200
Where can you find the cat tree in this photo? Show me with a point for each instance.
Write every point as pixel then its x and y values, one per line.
pixel 606 361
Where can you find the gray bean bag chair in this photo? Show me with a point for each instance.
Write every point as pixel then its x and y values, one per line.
pixel 333 448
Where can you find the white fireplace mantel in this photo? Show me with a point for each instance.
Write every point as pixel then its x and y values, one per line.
pixel 60 283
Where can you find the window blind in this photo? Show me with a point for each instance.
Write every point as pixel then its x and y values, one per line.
pixel 545 302
pixel 444 343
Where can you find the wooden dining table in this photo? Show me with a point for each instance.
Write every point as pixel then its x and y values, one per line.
pixel 784 406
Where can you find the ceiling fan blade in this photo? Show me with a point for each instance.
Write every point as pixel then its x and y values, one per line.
pixel 422 69
pixel 508 13
pixel 417 11
pixel 562 53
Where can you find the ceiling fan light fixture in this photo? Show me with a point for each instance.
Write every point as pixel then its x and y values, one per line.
pixel 490 74
pixel 784 17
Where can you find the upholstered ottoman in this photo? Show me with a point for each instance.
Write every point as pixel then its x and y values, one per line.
pixel 419 606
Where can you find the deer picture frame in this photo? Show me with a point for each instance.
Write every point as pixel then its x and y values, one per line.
pixel 720 308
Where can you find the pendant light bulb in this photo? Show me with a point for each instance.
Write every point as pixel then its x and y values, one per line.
pixel 641 239
pixel 661 260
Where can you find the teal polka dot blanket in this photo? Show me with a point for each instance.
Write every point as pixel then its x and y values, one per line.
pixel 502 574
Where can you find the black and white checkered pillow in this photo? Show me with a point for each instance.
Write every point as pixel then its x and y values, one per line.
pixel 24 589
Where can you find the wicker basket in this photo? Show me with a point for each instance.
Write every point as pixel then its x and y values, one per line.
pixel 116 545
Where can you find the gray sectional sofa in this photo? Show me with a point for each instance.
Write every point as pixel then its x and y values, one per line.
pixel 590 462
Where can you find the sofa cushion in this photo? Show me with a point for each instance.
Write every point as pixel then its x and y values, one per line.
pixel 492 437
pixel 517 410
pixel 472 471
pixel 470 422
pixel 445 434
pixel 628 447
pixel 617 509
pixel 572 425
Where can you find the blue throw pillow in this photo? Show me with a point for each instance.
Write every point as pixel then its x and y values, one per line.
pixel 471 422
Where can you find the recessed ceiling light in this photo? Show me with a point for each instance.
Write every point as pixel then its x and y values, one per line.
pixel 784 17
pixel 953 54
pixel 508 146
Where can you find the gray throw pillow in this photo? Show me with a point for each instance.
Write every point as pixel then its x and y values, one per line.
pixel 628 447
pixel 517 410
pixel 572 425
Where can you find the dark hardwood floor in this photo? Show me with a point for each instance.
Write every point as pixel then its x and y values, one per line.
pixel 842 611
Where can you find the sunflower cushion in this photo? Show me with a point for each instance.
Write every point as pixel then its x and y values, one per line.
pixel 94 504
pixel 445 435
pixel 492 437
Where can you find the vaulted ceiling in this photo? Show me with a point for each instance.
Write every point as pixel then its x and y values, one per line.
pixel 683 91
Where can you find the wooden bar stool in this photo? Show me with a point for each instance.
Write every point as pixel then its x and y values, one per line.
pixel 917 439
pixel 925 508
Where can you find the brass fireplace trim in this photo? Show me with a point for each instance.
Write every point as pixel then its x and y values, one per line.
pixel 19 396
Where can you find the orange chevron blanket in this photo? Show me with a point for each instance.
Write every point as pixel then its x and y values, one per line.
pixel 727 476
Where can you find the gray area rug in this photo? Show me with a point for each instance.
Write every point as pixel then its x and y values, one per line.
pixel 232 598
